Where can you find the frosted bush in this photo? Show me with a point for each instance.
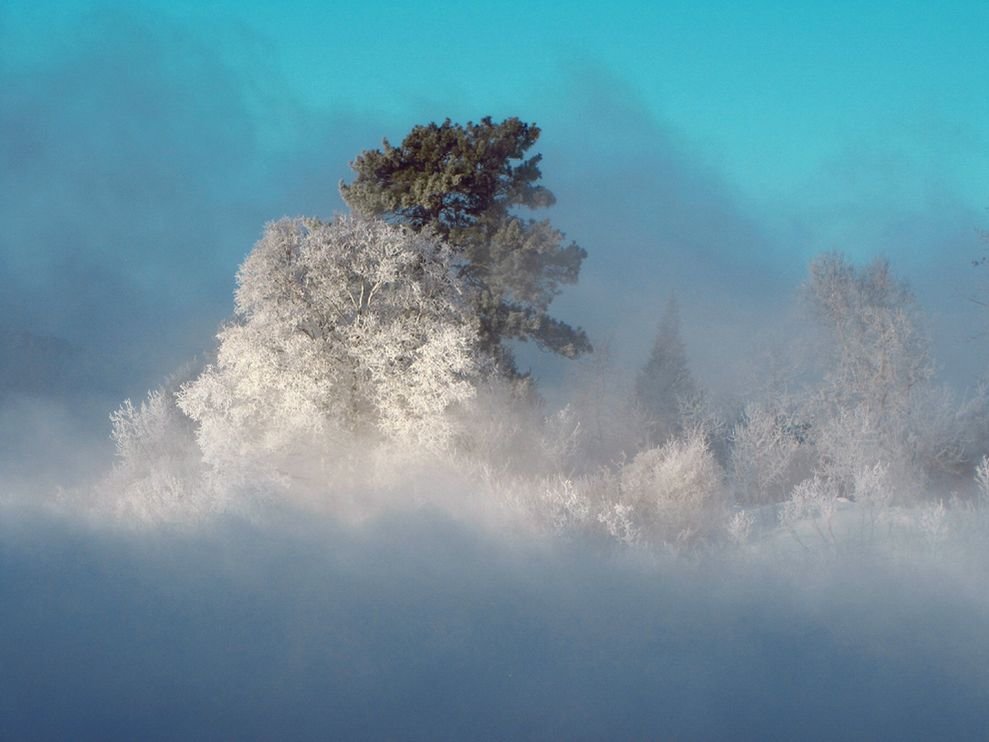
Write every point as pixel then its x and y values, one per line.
pixel 561 439
pixel 501 428
pixel 619 523
pixel 567 503
pixel 700 416
pixel 157 475
pixel 740 527
pixel 769 455
pixel 853 440
pixel 674 489
pixel 813 502
pixel 982 480
pixel 938 434
pixel 820 512
pixel 873 494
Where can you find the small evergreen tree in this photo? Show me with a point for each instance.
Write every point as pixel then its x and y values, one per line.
pixel 665 382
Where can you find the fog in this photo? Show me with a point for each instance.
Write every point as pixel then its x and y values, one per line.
pixel 417 627
pixel 518 585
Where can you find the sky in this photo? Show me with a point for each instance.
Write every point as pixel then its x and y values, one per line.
pixel 710 149
pixel 770 94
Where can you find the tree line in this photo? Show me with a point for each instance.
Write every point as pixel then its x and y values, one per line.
pixel 391 328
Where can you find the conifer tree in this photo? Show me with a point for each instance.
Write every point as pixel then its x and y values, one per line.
pixel 465 183
pixel 665 382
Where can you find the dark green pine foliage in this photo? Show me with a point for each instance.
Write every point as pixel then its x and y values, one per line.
pixel 665 382
pixel 466 183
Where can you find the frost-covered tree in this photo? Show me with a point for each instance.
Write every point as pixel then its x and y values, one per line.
pixel 158 472
pixel 664 384
pixel 673 492
pixel 880 351
pixel 466 182
pixel 877 405
pixel 771 452
pixel 352 326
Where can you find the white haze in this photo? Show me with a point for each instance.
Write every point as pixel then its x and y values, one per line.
pixel 415 625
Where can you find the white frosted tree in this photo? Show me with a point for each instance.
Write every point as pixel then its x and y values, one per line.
pixel 158 473
pixel 880 352
pixel 674 493
pixel 877 404
pixel 349 327
pixel 770 452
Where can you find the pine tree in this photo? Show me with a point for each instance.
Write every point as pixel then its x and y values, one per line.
pixel 464 182
pixel 665 382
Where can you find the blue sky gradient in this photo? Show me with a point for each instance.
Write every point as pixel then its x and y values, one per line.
pixel 771 93
pixel 706 148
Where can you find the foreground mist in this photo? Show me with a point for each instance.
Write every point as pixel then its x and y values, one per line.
pixel 414 625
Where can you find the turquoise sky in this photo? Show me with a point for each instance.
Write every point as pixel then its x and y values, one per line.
pixel 773 94
pixel 707 148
